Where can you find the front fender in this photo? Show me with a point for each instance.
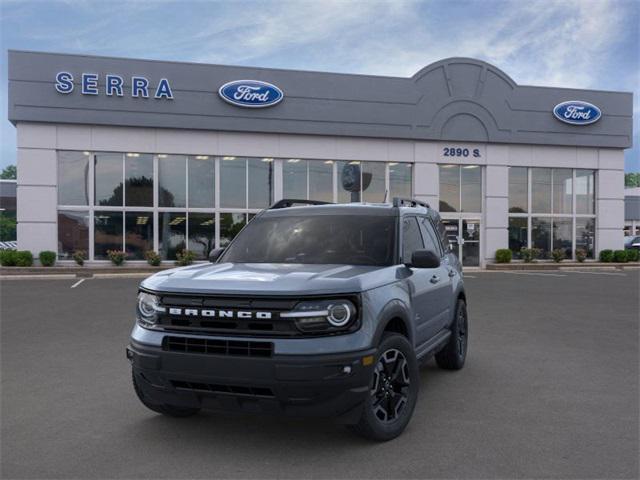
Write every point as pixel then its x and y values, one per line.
pixel 395 309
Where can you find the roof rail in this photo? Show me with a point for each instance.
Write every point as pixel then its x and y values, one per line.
pixel 292 202
pixel 408 202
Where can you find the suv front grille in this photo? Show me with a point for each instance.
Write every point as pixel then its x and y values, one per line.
pixel 229 389
pixel 217 347
pixel 255 325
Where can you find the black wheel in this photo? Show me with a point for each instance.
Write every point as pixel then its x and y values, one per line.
pixel 164 409
pixel 453 355
pixel 393 390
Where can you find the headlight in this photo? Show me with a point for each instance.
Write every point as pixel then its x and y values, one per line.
pixel 319 316
pixel 148 309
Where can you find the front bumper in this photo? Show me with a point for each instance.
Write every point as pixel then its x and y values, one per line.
pixel 333 385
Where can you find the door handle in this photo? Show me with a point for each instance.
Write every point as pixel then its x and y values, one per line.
pixel 435 279
pixel 452 272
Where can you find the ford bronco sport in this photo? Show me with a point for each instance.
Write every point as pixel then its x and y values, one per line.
pixel 319 309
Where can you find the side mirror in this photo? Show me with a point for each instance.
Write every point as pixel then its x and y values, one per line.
pixel 215 254
pixel 424 259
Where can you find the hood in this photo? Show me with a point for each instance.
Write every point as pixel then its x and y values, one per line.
pixel 270 279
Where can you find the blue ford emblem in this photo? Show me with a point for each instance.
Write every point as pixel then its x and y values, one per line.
pixel 250 93
pixel 576 112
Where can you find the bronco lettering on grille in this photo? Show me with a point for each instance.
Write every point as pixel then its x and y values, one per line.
pixel 194 312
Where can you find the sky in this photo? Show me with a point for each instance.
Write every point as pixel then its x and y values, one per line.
pixel 566 43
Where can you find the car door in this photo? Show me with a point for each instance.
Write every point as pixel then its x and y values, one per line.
pixel 422 283
pixel 445 273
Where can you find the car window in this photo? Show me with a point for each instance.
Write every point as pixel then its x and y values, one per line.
pixel 411 238
pixel 431 240
pixel 316 239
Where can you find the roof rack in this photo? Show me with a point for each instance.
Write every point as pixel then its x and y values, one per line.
pixel 408 202
pixel 292 202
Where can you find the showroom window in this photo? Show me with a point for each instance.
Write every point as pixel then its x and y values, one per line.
pixel 551 208
pixel 460 188
pixel 345 181
pixel 138 202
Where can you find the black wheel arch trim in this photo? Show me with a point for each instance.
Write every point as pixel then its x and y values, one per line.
pixel 393 310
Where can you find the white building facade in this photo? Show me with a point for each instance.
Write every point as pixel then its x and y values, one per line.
pixel 115 171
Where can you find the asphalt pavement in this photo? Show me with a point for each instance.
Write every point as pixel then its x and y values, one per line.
pixel 550 390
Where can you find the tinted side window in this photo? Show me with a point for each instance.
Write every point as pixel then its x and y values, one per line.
pixel 431 240
pixel 411 238
pixel 442 233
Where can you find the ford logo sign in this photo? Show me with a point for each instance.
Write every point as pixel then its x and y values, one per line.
pixel 250 93
pixel 577 112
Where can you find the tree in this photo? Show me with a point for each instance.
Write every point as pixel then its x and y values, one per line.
pixel 9 172
pixel 632 180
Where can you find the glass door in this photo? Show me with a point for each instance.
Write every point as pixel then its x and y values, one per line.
pixel 464 236
pixel 470 243
pixel 452 227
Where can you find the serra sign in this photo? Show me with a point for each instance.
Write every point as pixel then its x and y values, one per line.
pixel 113 85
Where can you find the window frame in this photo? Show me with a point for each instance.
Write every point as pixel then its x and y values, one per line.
pixel 529 214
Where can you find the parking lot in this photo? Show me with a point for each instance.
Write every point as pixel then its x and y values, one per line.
pixel 550 390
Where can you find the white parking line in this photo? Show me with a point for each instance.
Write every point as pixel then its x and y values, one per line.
pixel 598 273
pixel 469 276
pixel 78 283
pixel 538 274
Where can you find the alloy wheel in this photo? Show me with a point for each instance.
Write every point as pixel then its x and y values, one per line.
pixel 390 388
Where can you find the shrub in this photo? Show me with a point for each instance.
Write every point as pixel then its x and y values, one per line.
pixel 558 255
pixel 606 255
pixel 526 254
pixel 152 258
pixel 503 255
pixel 8 258
pixel 47 258
pixel 117 257
pixel 24 258
pixel 620 256
pixel 581 254
pixel 633 255
pixel 79 256
pixel 185 257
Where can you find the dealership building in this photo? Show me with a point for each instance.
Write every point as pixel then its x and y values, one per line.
pixel 140 155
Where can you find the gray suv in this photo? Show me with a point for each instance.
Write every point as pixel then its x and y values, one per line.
pixel 313 309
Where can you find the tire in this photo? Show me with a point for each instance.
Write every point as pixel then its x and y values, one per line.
pixel 393 391
pixel 454 354
pixel 164 409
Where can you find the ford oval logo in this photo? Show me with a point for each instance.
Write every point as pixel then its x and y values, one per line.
pixel 577 112
pixel 250 93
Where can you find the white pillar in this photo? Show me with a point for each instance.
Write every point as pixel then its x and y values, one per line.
pixel 496 210
pixel 37 188
pixel 426 177
pixel 610 200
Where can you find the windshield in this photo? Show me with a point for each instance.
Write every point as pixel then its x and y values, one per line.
pixel 338 239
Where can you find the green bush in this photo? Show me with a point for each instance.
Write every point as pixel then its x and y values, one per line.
pixel 558 255
pixel 24 258
pixel 117 257
pixel 633 255
pixel 581 254
pixel 526 254
pixel 503 255
pixel 152 257
pixel 606 255
pixel 185 257
pixel 620 256
pixel 8 258
pixel 47 258
pixel 80 256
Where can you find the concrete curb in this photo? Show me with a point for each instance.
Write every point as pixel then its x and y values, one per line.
pixel 561 266
pixel 81 272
